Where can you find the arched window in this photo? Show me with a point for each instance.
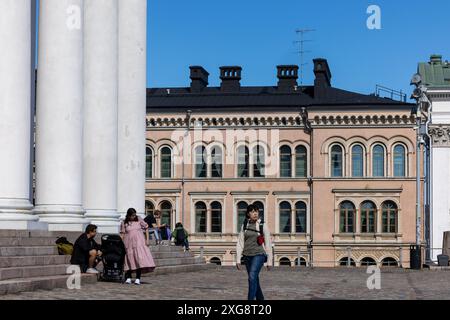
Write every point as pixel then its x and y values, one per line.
pixel 368 214
pixel 216 217
pixel 389 262
pixel 216 162
pixel 285 217
pixel 389 217
pixel 215 260
pixel 285 162
pixel 368 262
pixel 300 161
pixel 300 217
pixel 200 162
pixel 302 262
pixel 399 161
pixel 258 161
pixel 166 213
pixel 243 162
pixel 260 207
pixel 285 262
pixel 337 161
pixel 149 207
pixel 241 214
pixel 148 163
pixel 378 161
pixel 346 262
pixel 166 162
pixel 357 161
pixel 347 217
pixel 200 217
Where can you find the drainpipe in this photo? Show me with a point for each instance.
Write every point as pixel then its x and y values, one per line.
pixel 188 121
pixel 309 130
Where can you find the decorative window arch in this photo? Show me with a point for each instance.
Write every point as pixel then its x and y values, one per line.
pixel 149 207
pixel 368 261
pixel 346 261
pixel 215 260
pixel 200 217
pixel 200 162
pixel 389 262
pixel 241 209
pixel 368 213
pixel 301 161
pixel 166 162
pixel 216 162
pixel 357 160
pixel 216 216
pixel 166 212
pixel 389 217
pixel 243 162
pixel 285 161
pixel 302 262
pixel 378 160
pixel 259 161
pixel 399 161
pixel 300 217
pixel 285 217
pixel 149 155
pixel 347 217
pixel 337 160
pixel 285 261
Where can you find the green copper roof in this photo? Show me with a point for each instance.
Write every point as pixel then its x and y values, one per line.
pixel 435 73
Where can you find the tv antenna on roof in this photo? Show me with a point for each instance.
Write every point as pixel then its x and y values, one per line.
pixel 302 51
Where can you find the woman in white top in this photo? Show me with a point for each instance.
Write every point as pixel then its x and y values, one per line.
pixel 255 247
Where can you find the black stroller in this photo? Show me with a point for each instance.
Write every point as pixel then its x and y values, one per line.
pixel 113 258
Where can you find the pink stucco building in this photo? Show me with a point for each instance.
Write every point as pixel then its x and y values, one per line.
pixel 332 170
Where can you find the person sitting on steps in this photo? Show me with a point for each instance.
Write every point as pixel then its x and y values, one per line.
pixel 86 251
pixel 153 226
pixel 181 236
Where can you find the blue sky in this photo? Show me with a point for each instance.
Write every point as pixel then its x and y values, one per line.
pixel 259 34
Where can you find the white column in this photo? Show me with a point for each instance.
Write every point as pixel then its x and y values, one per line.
pixel 132 105
pixel 15 115
pixel 100 114
pixel 59 115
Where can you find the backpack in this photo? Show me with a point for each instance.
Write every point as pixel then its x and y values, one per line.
pixel 180 237
pixel 64 246
pixel 260 238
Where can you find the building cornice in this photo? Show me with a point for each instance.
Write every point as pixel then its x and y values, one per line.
pixel 275 121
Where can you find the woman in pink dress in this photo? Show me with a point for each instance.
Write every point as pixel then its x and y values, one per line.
pixel 138 257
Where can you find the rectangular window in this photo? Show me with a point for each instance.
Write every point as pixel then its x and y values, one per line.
pixel 300 165
pixel 285 221
pixel 200 221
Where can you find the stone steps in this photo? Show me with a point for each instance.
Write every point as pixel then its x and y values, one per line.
pixel 180 269
pixel 43 283
pixel 28 251
pixel 27 242
pixel 33 271
pixel 29 260
pixel 178 261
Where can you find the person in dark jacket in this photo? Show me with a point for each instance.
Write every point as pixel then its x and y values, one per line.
pixel 86 250
pixel 181 235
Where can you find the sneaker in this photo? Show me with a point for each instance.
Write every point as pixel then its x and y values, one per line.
pixel 137 281
pixel 128 281
pixel 92 270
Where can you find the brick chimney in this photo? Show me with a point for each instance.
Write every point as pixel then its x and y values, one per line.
pixel 199 78
pixel 322 79
pixel 230 76
pixel 287 77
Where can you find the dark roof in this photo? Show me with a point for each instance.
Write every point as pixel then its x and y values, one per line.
pixel 177 99
pixel 286 95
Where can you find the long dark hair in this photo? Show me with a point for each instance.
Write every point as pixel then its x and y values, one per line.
pixel 130 212
pixel 251 208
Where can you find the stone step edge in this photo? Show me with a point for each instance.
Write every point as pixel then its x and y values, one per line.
pixel 12 286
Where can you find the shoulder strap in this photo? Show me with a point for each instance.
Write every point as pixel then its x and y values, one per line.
pixel 245 224
pixel 261 230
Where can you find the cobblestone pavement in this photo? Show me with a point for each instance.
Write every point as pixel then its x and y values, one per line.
pixel 277 284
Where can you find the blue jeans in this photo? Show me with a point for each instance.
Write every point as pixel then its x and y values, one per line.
pixel 155 232
pixel 254 265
